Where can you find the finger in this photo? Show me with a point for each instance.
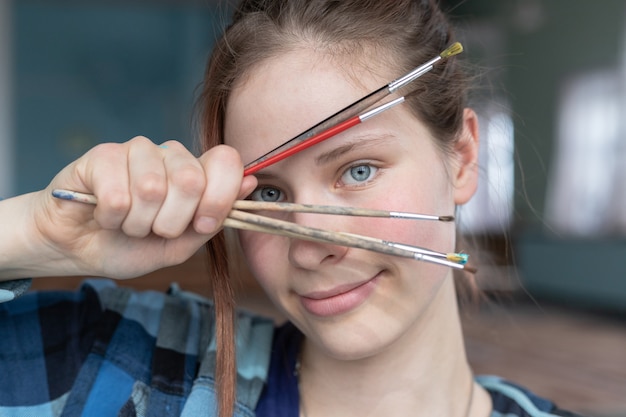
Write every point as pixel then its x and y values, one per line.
pixel 248 185
pixel 147 185
pixel 185 184
pixel 104 172
pixel 224 173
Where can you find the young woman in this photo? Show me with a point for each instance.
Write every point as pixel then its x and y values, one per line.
pixel 368 334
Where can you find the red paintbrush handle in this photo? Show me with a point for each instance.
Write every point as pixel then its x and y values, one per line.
pixel 328 133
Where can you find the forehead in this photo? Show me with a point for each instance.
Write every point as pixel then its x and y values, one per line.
pixel 285 95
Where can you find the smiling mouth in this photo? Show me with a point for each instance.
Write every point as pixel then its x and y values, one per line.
pixel 339 300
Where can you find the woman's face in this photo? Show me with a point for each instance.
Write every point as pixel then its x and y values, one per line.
pixel 350 303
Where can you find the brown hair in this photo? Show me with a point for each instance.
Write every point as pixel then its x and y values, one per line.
pixel 405 33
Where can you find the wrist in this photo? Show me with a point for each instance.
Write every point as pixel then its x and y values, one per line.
pixel 24 253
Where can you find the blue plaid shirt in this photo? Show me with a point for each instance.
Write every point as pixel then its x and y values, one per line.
pixel 111 351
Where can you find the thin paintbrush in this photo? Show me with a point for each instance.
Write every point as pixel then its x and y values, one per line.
pixel 356 107
pixel 460 258
pixel 337 210
pixel 343 238
pixel 248 221
pixel 326 134
pixel 253 222
pixel 284 207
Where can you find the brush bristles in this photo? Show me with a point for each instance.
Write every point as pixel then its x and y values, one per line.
pixel 446 218
pixel 454 49
pixel 460 258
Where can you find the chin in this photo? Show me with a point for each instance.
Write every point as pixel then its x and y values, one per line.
pixel 352 340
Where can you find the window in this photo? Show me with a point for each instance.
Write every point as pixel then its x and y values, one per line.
pixel 587 183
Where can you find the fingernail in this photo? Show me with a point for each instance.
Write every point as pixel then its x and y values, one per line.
pixel 206 225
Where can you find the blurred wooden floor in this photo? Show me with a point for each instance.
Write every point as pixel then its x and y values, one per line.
pixel 575 358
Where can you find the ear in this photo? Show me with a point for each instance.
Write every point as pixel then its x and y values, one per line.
pixel 466 159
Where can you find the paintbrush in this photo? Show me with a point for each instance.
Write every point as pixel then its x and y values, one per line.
pixel 337 210
pixel 239 219
pixel 251 205
pixel 348 113
pixel 296 147
pixel 253 222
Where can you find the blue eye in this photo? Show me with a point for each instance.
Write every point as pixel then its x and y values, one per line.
pixel 268 194
pixel 358 174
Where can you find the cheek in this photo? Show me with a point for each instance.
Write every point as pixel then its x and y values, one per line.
pixel 252 248
pixel 430 234
pixel 262 253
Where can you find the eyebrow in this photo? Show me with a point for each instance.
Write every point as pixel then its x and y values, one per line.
pixel 356 143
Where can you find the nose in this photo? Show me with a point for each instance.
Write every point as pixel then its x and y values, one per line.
pixel 312 255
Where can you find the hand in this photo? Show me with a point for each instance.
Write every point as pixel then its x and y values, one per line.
pixel 156 207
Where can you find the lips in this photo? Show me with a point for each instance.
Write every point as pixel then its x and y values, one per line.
pixel 339 300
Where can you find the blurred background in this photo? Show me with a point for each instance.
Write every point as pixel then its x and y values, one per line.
pixel 550 213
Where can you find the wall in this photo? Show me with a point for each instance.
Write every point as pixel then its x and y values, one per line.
pixel 97 71
pixel 6 96
pixel 529 51
pixel 571 37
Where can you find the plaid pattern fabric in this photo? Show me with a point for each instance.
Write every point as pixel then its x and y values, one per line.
pixel 108 351
pixel 509 399
pixel 111 351
pixel 10 290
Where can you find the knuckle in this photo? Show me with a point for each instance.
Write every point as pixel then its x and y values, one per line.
pixel 112 209
pixel 104 150
pixel 151 187
pixel 174 144
pixel 116 201
pixel 189 180
pixel 141 140
pixel 221 205
pixel 228 155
